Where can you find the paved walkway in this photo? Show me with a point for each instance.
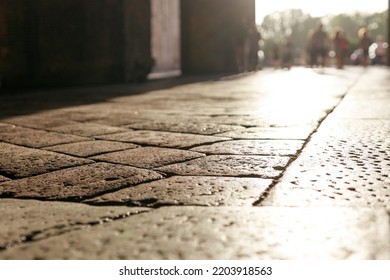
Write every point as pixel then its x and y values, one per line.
pixel 271 165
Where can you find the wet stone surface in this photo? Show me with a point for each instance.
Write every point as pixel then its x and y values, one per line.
pixel 148 157
pixel 233 165
pixel 18 162
pixel 91 148
pixel 37 138
pixel 253 147
pixel 162 139
pixel 202 191
pixel 232 233
pixel 24 219
pixel 77 183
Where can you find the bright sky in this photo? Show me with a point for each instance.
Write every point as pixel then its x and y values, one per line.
pixel 319 8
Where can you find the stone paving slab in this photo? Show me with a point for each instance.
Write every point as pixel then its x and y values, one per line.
pixel 87 129
pixel 37 138
pixel 346 163
pixel 224 233
pixel 91 148
pixel 186 127
pixel 31 220
pixel 3 179
pixel 148 157
pixel 189 190
pixel 5 127
pixel 18 162
pixel 78 182
pixel 162 139
pixel 253 147
pixel 374 108
pixel 231 165
pixel 42 120
pixel 294 133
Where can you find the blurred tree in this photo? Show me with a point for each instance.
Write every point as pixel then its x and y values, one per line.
pixel 295 24
pixel 278 27
pixel 375 23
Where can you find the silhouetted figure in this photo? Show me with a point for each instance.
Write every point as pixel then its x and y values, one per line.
pixel 340 45
pixel 364 44
pixel 309 53
pixel 275 56
pixel 287 59
pixel 319 47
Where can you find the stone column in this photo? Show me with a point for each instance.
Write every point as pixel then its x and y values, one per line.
pixel 210 31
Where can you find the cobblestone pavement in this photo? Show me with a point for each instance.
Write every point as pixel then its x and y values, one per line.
pixel 267 165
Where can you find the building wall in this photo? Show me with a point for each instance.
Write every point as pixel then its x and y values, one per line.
pixel 72 42
pixel 68 42
pixel 210 31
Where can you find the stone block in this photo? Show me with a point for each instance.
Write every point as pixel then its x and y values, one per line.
pixel 201 191
pixel 87 129
pixel 186 127
pixel 261 133
pixel 32 220
pixel 257 166
pixel 221 233
pixel 253 147
pixel 78 182
pixel 91 148
pixel 148 157
pixel 18 162
pixel 162 139
pixel 37 138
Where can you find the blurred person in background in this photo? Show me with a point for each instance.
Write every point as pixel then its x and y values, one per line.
pixel 340 46
pixel 364 44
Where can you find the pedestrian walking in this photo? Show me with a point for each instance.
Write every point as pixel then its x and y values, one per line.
pixel 364 44
pixel 319 47
pixel 340 45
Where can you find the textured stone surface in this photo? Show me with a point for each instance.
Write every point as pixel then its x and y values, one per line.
pixel 162 139
pixel 148 157
pixel 177 190
pixel 77 183
pixel 337 185
pixel 2 178
pixel 346 163
pixel 38 120
pixel 186 127
pixel 24 219
pixel 253 147
pixel 37 138
pixel 17 162
pixel 258 166
pixel 294 132
pixel 90 148
pixel 224 233
pixel 87 129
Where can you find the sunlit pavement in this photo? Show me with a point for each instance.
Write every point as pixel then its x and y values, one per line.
pixel 269 165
